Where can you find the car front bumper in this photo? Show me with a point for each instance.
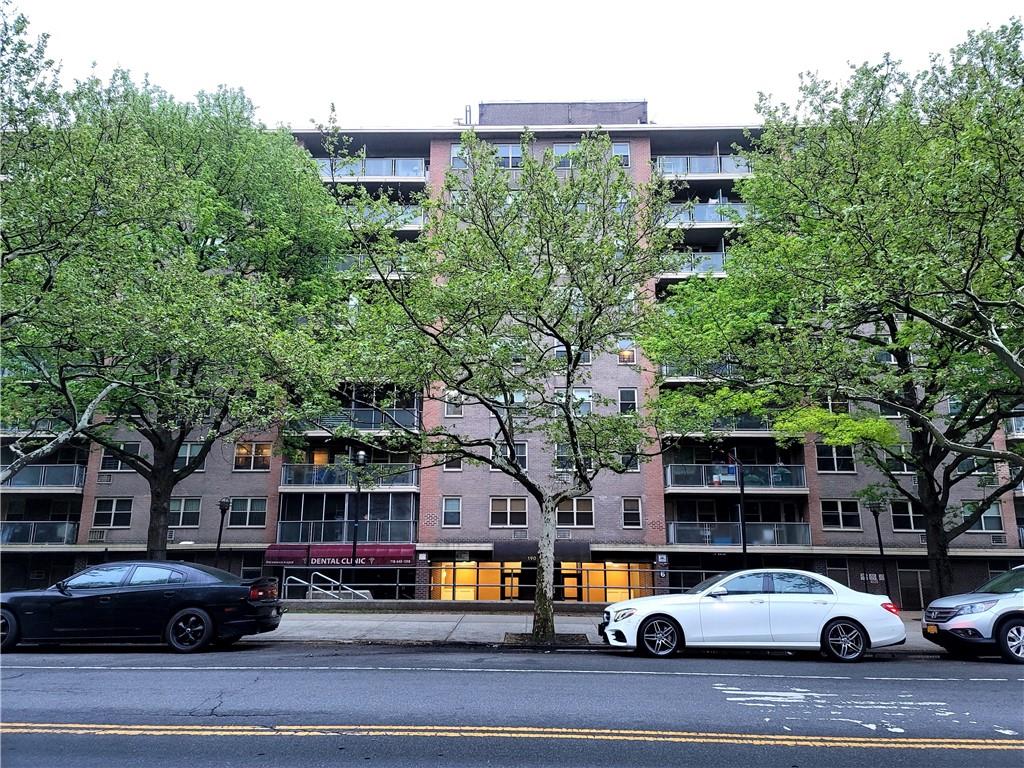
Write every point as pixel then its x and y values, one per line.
pixel 953 637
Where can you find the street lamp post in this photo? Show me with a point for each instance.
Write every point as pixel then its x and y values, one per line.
pixel 876 510
pixel 224 504
pixel 743 505
pixel 360 461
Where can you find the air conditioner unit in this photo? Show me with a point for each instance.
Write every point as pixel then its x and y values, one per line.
pixel 97 535
pixel 519 534
pixel 563 534
pixel 999 539
pixel 170 535
pixel 924 538
pixel 104 478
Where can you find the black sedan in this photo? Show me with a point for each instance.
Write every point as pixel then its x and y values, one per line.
pixel 185 605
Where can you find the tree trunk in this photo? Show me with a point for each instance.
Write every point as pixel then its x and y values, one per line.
pixel 161 486
pixel 939 567
pixel 543 601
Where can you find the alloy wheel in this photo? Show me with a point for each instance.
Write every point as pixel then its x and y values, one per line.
pixel 189 630
pixel 5 628
pixel 846 641
pixel 1015 640
pixel 660 637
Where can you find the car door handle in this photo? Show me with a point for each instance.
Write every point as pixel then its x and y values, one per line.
pixel 819 602
pixel 105 599
pixel 757 601
pixel 169 594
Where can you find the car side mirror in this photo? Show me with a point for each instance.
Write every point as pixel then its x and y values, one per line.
pixel 718 592
pixel 62 587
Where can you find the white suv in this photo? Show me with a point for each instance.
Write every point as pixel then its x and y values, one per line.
pixel 980 621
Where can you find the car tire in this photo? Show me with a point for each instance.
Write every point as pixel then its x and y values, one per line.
pixel 844 640
pixel 8 630
pixel 190 630
pixel 659 637
pixel 1011 640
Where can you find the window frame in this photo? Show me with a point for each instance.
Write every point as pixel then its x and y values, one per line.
pixel 181 511
pixel 635 402
pixel 454 158
pixel 121 466
pixel 563 160
pixel 508 512
pixel 522 460
pixel 840 513
pixel 248 511
pixel 453 400
pixel 891 462
pixel 619 155
pixel 909 514
pixel 639 512
pixel 625 355
pixel 187 447
pixel 994 511
pixel 253 456
pixel 113 512
pixel 576 512
pixel 447 468
pixel 835 459
pixel 444 511
pixel 507 153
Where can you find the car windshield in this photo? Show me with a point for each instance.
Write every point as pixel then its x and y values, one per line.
pixel 1004 583
pixel 708 582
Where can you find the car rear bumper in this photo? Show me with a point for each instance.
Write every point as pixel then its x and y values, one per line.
pixel 267 619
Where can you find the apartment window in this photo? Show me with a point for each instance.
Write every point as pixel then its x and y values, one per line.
pixel 584 354
pixel 627 400
pixel 564 461
pixel 453 464
pixel 110 462
pixel 978 465
pixel 888 411
pixel 835 458
pixel 520 455
pixel 184 513
pixel 457 161
pixel 837 404
pixel 620 150
pixel 561 152
pixel 904 518
pixel 954 405
pixel 575 513
pixel 509 155
pixel 112 513
pixel 186 453
pixel 252 457
pixel 583 398
pixel 898 464
pixel 627 352
pixel 632 516
pixel 991 519
pixel 841 514
pixel 508 512
pixel 451 512
pixel 247 513
pixel 631 461
pixel 885 357
pixel 453 405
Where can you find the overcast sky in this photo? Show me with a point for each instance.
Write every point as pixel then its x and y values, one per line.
pixel 407 63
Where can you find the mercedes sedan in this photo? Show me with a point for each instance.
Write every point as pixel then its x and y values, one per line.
pixel 185 605
pixel 763 609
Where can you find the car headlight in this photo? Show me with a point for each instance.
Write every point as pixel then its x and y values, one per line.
pixel 975 607
pixel 624 614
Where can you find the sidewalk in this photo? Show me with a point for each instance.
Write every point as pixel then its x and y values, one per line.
pixel 469 629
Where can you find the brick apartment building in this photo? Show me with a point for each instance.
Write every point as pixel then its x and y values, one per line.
pixel 465 532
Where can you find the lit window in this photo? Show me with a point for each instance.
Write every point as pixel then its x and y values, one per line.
pixel 252 457
pixel 627 352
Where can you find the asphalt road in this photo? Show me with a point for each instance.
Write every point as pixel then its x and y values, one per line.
pixel 303 705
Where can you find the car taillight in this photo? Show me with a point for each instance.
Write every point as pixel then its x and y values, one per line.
pixel 263 592
pixel 892 608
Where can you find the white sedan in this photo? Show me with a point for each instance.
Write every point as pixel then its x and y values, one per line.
pixel 765 608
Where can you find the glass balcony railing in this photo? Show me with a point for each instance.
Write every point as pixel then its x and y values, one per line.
pixel 48 476
pixel 717 371
pixel 728 534
pixel 341 531
pixel 705 213
pixel 696 165
pixel 38 532
pixel 696 263
pixel 388 167
pixel 374 475
pixel 1014 427
pixel 366 418
pixel 406 217
pixel 727 476
pixel 747 423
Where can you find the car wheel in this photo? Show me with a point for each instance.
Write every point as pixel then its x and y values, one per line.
pixel 844 640
pixel 659 636
pixel 1011 640
pixel 189 630
pixel 8 630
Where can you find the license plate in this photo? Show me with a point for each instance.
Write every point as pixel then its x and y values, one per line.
pixel 931 629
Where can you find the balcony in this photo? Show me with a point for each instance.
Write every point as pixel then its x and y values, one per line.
pixel 375 168
pixel 38 533
pixel 702 165
pixel 756 477
pixel 365 418
pixel 362 261
pixel 705 214
pixel 692 373
pixel 728 534
pixel 1014 428
pixel 745 423
pixel 48 476
pixel 302 476
pixel 340 531
pixel 407 217
pixel 699 263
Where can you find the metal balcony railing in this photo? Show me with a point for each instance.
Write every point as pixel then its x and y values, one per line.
pixel 367 418
pixel 728 534
pixel 727 475
pixel 706 213
pixel 695 165
pixel 47 476
pixel 341 531
pixel 390 167
pixel 716 371
pixel 374 475
pixel 38 532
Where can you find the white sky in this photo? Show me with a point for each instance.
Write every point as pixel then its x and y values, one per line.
pixel 407 63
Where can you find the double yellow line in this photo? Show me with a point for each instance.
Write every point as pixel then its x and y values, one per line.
pixel 511 732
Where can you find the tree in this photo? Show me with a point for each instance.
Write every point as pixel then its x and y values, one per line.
pixel 880 266
pixel 518 278
pixel 181 305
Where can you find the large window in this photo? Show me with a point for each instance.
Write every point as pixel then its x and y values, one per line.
pixel 113 513
pixel 904 518
pixel 835 458
pixel 509 155
pixel 575 513
pixel 184 513
pixel 620 150
pixel 583 397
pixel 252 457
pixel 247 513
pixel 110 462
pixel 520 455
pixel 451 512
pixel 508 512
pixel 186 453
pixel 561 152
pixel 897 463
pixel 843 514
pixel 991 519
pixel 564 461
pixel 632 515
